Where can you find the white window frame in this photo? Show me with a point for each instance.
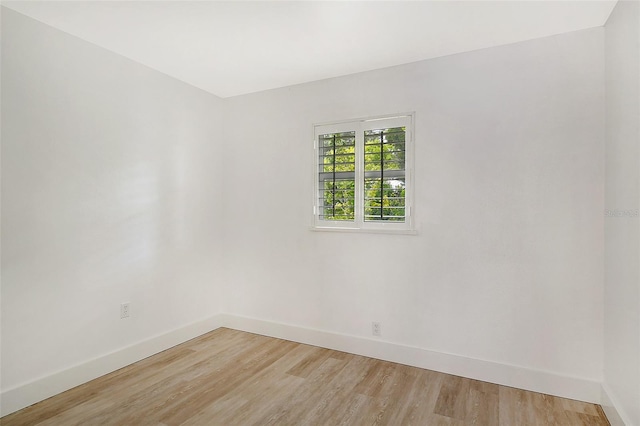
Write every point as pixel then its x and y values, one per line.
pixel 360 125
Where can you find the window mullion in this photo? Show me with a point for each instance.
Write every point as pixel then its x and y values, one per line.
pixel 359 177
pixel 355 158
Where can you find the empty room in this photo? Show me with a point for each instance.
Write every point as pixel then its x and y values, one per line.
pixel 320 213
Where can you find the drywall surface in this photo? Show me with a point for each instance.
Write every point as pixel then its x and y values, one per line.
pixel 110 194
pixel 508 262
pixel 622 224
pixel 120 184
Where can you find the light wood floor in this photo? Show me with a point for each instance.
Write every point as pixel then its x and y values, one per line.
pixel 229 377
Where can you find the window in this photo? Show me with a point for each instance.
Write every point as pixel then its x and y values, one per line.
pixel 363 174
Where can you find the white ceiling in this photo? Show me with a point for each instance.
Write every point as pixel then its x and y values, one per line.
pixel 233 48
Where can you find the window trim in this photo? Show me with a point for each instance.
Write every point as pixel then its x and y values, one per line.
pixel 360 125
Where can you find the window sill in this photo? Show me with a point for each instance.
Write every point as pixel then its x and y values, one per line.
pixel 364 230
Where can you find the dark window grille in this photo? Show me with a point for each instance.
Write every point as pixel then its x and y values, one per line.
pixel 384 175
pixel 337 183
pixel 384 183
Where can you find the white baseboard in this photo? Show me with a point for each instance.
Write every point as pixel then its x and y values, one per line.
pixel 612 408
pixel 508 375
pixel 27 394
pixel 539 381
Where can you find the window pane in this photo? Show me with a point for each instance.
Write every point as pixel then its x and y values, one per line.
pixel 384 181
pixel 384 199
pixel 337 185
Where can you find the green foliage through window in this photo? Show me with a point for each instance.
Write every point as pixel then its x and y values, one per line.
pixel 337 176
pixel 384 165
pixel 383 175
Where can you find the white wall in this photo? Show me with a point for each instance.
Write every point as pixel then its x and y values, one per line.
pixel 122 184
pixel 110 189
pixel 622 234
pixel 508 263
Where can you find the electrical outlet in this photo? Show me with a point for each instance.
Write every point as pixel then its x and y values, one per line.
pixel 124 310
pixel 376 329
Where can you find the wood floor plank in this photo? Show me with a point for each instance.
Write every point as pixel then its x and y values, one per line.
pixel 452 399
pixel 373 377
pixel 293 410
pixel 201 393
pixel 163 396
pixel 395 402
pixel 511 406
pixel 229 377
pixel 482 408
pixel 580 407
pixel 164 386
pixel 355 405
pixel 307 365
pixel 335 400
pixel 262 390
pixel 421 399
pixel 88 391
